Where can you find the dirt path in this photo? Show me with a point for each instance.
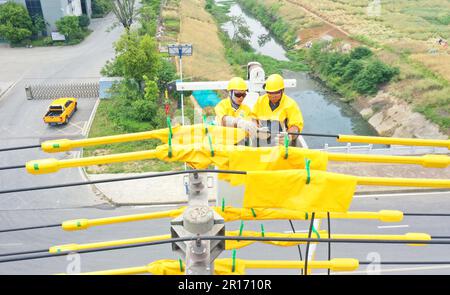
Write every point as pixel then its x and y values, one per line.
pixel 312 13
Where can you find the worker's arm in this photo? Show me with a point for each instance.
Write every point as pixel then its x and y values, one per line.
pixel 295 121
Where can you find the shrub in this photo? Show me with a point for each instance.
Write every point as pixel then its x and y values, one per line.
pixel 69 26
pixel 360 52
pixel 84 21
pixel 100 7
pixel 15 23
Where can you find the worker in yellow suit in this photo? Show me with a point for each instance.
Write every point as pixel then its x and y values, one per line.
pixel 277 113
pixel 231 112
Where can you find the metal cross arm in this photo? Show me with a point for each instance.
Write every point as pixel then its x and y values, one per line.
pixel 222 85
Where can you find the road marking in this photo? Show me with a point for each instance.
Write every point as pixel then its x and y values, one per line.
pixel 392 226
pixel 403 194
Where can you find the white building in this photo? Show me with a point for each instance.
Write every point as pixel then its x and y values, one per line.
pixel 52 10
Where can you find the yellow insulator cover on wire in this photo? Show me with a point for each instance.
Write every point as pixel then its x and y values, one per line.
pixel 188 134
pixel 288 189
pixel 395 140
pixel 165 267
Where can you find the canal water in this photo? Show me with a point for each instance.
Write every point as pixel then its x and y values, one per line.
pixel 323 111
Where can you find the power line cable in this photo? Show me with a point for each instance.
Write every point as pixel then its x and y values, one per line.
pixel 219 238
pixel 20 148
pixel 118 179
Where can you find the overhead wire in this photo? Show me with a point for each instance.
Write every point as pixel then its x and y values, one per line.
pixel 23 256
pixel 118 179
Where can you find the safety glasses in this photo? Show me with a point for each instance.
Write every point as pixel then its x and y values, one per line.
pixel 240 94
pixel 275 93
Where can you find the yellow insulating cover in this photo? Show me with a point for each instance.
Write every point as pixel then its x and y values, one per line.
pixel 272 158
pixel 234 244
pixel 190 134
pixel 224 266
pixel 53 146
pixel 42 166
pixel 417 236
pixel 391 216
pixel 165 267
pixel 62 248
pixel 78 224
pixel 344 264
pixel 197 156
pixel 435 161
pixel 326 192
pixel 232 214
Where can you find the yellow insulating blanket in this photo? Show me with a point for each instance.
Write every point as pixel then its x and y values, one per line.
pixel 190 134
pixel 241 158
pixel 326 192
pixel 271 158
pixel 172 267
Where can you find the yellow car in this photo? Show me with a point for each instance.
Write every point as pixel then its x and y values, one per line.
pixel 60 111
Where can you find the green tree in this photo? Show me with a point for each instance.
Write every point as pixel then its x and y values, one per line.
pixel 241 31
pixel 360 52
pixel 39 24
pixel 15 23
pixel 69 26
pixel 374 74
pixel 101 7
pixel 135 57
pixel 125 11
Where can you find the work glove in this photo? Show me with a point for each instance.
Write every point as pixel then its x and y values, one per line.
pixel 263 133
pixel 279 138
pixel 248 126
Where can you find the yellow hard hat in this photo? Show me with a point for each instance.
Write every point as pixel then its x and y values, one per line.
pixel 274 83
pixel 237 83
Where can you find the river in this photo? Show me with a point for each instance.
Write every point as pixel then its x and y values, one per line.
pixel 322 110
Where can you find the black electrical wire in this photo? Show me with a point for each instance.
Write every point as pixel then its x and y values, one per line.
pixel 329 237
pixel 298 246
pixel 301 133
pixel 24 253
pixel 222 238
pixel 29 228
pixel 20 148
pixel 119 179
pixel 12 167
pixel 308 243
pixel 428 214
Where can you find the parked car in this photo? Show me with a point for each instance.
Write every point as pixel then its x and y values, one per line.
pixel 60 111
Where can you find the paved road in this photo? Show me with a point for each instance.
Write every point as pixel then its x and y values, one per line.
pixel 43 238
pixel 21 119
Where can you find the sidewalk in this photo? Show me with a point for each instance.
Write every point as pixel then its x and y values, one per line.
pixel 161 190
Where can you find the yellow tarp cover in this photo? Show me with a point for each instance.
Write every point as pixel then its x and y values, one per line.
pixel 241 158
pixel 326 192
pixel 190 134
pixel 172 267
pixel 272 158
